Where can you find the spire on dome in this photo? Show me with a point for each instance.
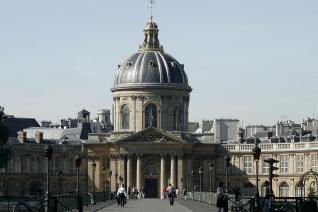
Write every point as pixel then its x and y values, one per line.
pixel 151 40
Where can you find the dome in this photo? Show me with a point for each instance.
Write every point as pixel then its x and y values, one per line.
pixel 151 66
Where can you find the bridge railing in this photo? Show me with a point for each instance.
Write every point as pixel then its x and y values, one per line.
pixel 296 204
pixel 58 203
pixel 211 198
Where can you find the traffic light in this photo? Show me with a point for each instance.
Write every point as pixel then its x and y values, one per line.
pixel 272 168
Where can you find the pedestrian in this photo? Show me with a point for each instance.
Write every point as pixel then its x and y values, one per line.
pixel 171 194
pixel 184 192
pixel 221 198
pixel 121 195
pixel 267 197
pixel 177 193
pixel 237 194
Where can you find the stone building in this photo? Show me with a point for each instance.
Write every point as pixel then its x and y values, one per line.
pixel 150 146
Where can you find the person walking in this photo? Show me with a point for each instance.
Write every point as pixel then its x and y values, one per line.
pixel 121 195
pixel 220 194
pixel 171 194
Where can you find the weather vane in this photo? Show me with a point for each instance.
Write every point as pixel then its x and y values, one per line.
pixel 152 3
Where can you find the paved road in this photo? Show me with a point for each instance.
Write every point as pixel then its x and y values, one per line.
pixel 158 205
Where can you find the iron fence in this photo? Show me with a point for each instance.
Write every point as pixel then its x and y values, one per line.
pixel 58 203
pixel 248 203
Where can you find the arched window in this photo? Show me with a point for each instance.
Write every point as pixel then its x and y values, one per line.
pixel 177 119
pixel 284 189
pixel 150 116
pixel 125 117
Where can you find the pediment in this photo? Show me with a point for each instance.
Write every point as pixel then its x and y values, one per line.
pixel 151 135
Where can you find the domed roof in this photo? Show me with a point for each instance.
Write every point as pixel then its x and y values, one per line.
pixel 151 66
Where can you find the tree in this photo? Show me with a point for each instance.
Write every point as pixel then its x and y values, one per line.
pixel 5 151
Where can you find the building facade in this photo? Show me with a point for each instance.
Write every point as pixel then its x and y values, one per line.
pixel 151 146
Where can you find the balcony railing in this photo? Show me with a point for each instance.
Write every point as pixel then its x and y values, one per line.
pixel 269 147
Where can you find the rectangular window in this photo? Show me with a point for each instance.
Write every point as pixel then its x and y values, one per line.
pixel 313 162
pixel 265 166
pixel 34 164
pixel 248 164
pixel 283 164
pixel 299 163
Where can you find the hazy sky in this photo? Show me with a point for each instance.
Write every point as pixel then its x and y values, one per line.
pixel 252 60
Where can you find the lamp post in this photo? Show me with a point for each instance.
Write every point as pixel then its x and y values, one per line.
pixel 211 168
pixel 200 175
pixel 48 155
pixel 78 162
pixel 192 173
pixel 93 187
pixel 227 159
pixel 188 181
pixel 116 181
pixel 59 181
pixel 182 180
pixel 256 154
pixel 110 183
pixel 227 163
pixel 104 183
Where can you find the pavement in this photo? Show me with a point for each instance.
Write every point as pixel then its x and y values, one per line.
pixel 98 206
pixel 158 205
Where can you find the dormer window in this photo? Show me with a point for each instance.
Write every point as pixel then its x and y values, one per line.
pixel 172 64
pixel 129 64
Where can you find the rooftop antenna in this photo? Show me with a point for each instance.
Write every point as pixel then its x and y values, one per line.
pixel 152 3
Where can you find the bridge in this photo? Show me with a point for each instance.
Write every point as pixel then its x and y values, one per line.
pixel 159 205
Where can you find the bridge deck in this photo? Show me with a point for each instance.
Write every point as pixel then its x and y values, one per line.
pixel 158 205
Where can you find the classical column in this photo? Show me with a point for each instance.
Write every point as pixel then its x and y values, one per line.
pixel 162 173
pixel 181 178
pixel 173 171
pixel 139 173
pixel 129 175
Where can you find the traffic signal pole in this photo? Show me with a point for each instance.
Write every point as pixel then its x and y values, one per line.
pixel 272 168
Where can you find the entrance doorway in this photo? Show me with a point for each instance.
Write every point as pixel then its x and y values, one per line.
pixel 151 188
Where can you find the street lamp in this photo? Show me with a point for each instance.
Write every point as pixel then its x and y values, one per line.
pixel 78 162
pixel 116 181
pixel 110 183
pixel 182 180
pixel 93 188
pixel 48 155
pixel 59 181
pixel 192 173
pixel 200 175
pixel 188 181
pixel 104 183
pixel 256 154
pixel 211 168
pixel 227 159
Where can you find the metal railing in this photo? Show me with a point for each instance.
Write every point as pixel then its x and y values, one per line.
pixel 291 204
pixel 58 203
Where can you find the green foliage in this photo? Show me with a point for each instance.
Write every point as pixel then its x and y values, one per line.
pixel 5 151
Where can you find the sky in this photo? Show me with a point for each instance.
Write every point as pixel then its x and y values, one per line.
pixel 256 61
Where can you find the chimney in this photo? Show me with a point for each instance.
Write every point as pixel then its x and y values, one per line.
pixel 38 137
pixel 22 136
